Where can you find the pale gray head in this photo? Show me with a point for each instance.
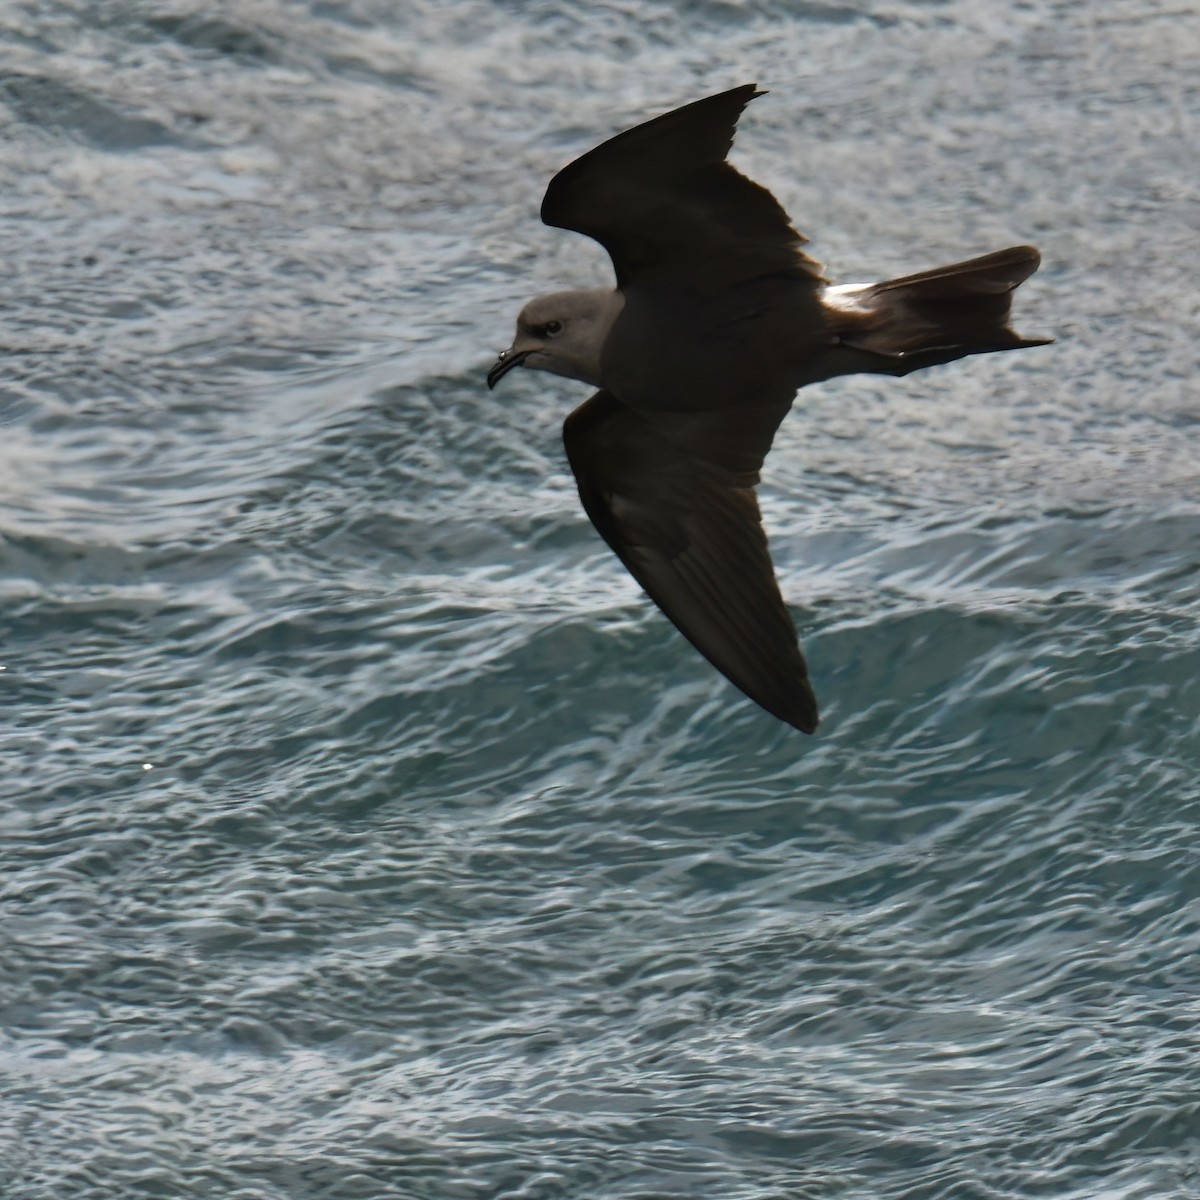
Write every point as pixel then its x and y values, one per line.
pixel 562 333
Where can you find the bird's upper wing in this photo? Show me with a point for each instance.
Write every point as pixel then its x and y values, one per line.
pixel 670 210
pixel 673 495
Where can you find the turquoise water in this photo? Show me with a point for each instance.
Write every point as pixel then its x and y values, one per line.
pixel 365 833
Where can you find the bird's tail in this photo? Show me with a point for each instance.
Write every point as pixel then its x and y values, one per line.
pixel 917 321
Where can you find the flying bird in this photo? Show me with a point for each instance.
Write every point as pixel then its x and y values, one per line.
pixel 717 318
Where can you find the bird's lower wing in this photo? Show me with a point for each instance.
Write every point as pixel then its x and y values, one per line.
pixel 673 495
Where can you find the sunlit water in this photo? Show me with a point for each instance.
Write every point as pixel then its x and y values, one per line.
pixel 365 833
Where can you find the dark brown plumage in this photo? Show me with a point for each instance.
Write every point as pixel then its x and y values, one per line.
pixel 718 318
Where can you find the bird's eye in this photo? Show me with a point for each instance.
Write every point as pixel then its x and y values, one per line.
pixel 552 328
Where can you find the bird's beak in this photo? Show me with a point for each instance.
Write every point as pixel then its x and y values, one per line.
pixel 508 359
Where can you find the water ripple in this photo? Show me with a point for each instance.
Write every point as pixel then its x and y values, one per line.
pixel 367 833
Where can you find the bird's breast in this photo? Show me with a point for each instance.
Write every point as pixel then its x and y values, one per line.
pixel 678 351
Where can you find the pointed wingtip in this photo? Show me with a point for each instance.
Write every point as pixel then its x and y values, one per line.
pixel 806 720
pixel 798 709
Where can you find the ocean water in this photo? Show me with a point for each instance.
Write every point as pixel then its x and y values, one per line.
pixel 364 833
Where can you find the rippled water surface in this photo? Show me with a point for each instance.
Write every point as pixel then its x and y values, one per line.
pixel 365 833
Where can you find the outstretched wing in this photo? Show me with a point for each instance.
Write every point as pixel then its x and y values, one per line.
pixel 670 210
pixel 673 495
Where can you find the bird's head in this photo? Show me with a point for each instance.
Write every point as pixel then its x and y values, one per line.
pixel 563 334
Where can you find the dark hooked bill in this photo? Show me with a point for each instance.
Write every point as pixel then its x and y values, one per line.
pixel 505 363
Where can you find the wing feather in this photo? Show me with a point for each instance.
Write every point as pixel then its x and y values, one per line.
pixel 668 208
pixel 663 496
